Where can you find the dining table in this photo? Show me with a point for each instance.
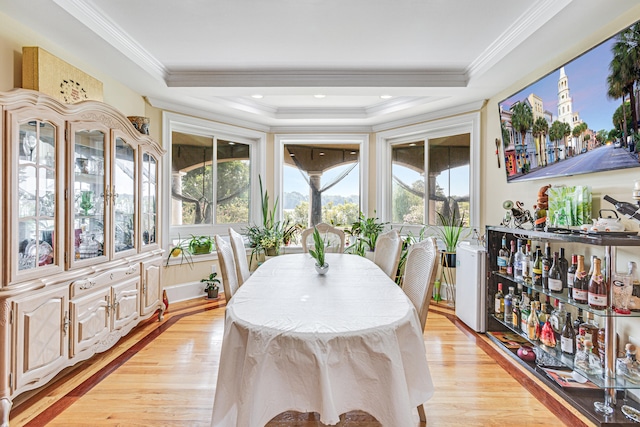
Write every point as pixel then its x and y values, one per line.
pixel 295 340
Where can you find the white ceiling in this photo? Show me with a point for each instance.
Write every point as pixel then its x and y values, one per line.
pixel 208 57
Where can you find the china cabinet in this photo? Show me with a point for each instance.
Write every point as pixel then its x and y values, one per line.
pixel 81 258
pixel 609 391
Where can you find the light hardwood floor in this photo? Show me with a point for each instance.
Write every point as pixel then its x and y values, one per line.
pixel 165 375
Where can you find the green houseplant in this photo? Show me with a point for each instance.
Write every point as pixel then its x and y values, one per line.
pixel 365 231
pixel 211 285
pixel 450 229
pixel 268 237
pixel 186 248
pixel 318 253
pixel 199 245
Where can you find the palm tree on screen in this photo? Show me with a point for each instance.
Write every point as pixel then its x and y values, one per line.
pixel 540 130
pixel 522 121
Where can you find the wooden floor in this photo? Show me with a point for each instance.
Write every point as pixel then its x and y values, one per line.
pixel 164 374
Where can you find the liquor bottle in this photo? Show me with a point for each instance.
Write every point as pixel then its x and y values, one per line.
pixel 571 273
pixel 625 208
pixel 564 268
pixel 546 266
pixel 537 268
pixel 557 318
pixel 512 258
pixel 587 331
pixel 597 294
pixel 634 302
pixel 515 317
pixel 568 336
pixel 527 273
pixel 498 310
pixel 580 292
pixel 503 256
pixel 533 324
pixel 508 306
pixel 525 310
pixel 518 263
pixel 578 322
pixel 541 311
pixel 555 275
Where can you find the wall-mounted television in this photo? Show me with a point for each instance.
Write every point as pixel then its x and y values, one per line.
pixel 577 119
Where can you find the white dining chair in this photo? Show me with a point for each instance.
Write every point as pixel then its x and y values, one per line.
pixel 334 237
pixel 239 255
pixel 227 267
pixel 387 252
pixel 419 277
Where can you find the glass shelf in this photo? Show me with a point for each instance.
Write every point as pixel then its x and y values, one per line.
pixel 601 239
pixel 567 360
pixel 564 297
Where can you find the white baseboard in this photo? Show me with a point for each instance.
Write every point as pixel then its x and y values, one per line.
pixel 185 291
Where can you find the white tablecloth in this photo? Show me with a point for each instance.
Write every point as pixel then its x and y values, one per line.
pixel 295 340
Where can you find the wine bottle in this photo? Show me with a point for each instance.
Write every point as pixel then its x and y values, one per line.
pixel 546 266
pixel 564 268
pixel 525 310
pixel 597 294
pixel 498 310
pixel 568 336
pixel 508 306
pixel 625 208
pixel 555 275
pixel 580 292
pixel 634 303
pixel 537 269
pixel 571 273
pixel 503 256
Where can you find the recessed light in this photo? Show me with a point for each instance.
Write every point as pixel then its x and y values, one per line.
pixel 292 155
pixel 322 153
pixel 232 143
pixel 413 144
pixel 353 152
pixel 386 96
pixel 319 96
pixel 257 96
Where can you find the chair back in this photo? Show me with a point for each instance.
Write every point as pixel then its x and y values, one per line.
pixel 227 267
pixel 239 255
pixel 333 236
pixel 387 252
pixel 419 275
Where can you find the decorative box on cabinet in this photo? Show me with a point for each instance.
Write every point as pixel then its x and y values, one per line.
pixel 79 247
pixel 611 388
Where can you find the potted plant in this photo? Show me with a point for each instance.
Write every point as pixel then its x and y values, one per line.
pixel 365 231
pixel 268 237
pixel 318 252
pixel 199 245
pixel 450 230
pixel 211 285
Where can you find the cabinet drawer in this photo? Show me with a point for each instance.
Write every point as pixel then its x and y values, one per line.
pixel 83 285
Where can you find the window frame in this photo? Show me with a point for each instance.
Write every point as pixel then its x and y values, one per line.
pixel 468 123
pixel 280 140
pixel 256 140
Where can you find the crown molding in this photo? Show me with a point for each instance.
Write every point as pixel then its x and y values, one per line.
pixel 94 19
pixel 427 117
pixel 203 113
pixel 317 78
pixel 529 22
pixel 306 129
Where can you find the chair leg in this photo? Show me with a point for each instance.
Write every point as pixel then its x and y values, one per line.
pixel 423 417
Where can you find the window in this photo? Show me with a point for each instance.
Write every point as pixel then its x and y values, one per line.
pixel 320 178
pixel 429 168
pixel 212 176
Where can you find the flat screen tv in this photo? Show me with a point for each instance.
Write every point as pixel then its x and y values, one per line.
pixel 572 121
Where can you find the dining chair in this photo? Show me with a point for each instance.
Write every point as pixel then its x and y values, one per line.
pixel 239 255
pixel 227 267
pixel 387 252
pixel 334 237
pixel 419 277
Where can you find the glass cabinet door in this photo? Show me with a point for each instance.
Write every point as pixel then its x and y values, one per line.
pixel 89 189
pixel 149 199
pixel 123 196
pixel 37 203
